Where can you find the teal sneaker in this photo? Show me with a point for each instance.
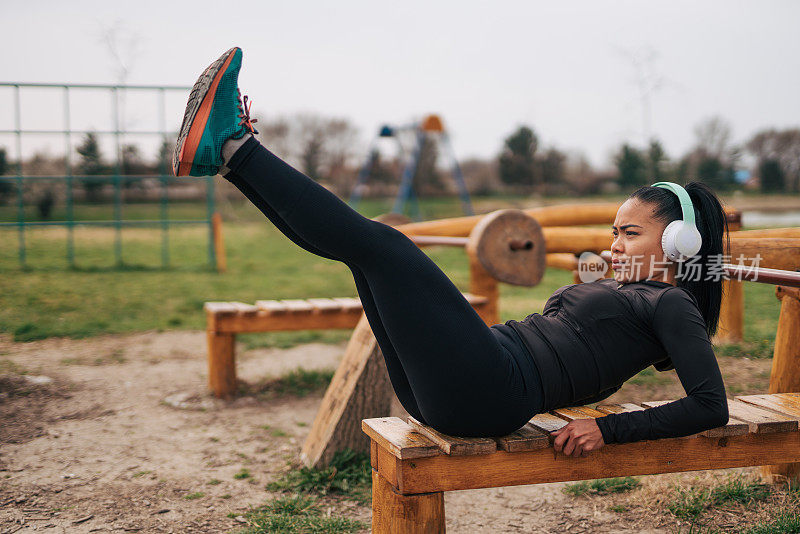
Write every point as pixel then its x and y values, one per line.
pixel 214 114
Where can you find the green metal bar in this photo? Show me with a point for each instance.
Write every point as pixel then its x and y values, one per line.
pixel 162 112
pixel 117 192
pixel 98 86
pixel 68 170
pixel 212 254
pixel 20 185
pixel 127 177
pixel 105 132
pixel 129 222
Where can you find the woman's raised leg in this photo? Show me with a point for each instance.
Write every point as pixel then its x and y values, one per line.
pixel 397 375
pixel 462 379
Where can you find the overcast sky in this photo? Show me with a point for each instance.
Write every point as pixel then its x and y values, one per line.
pixel 564 68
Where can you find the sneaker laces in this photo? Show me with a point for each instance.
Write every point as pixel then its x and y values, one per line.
pixel 244 113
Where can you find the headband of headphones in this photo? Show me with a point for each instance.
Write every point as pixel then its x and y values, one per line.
pixel 686 202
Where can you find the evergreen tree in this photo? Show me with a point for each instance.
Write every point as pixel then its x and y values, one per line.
pixel 518 159
pixel 6 186
pixel 631 168
pixel 772 178
pixel 656 161
pixel 90 166
pixel 552 165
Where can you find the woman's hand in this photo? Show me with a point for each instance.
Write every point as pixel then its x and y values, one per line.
pixel 578 438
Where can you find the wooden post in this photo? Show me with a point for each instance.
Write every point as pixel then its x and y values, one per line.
pixel 360 389
pixel 785 376
pixel 221 363
pixel 483 284
pixel 394 513
pixel 219 245
pixel 731 313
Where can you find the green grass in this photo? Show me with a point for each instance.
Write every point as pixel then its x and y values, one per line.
pixel 296 514
pixel 602 486
pixel 691 503
pixel 349 473
pixel 649 377
pixel 298 382
pixel 786 522
pixel 242 474
pixel 96 298
pixel 194 495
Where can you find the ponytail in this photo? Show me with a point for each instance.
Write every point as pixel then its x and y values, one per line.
pixel 713 226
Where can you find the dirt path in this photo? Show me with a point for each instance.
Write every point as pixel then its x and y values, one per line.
pixel 125 431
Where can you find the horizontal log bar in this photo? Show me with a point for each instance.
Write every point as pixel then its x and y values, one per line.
pixel 561 215
pixel 762 275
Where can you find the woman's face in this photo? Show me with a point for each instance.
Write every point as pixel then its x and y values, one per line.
pixel 636 251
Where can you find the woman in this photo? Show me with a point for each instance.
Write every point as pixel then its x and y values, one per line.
pixel 448 368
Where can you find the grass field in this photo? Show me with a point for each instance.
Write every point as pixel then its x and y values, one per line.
pixel 50 300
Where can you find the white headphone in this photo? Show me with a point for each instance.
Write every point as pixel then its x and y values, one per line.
pixel 681 239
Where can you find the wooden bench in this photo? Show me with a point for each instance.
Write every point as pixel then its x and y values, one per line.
pixel 413 464
pixel 226 319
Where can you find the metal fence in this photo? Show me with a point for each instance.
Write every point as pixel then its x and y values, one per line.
pixel 115 177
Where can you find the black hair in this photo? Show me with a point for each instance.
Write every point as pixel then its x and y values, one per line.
pixel 712 223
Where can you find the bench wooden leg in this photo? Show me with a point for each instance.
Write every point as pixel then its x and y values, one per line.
pixel 785 376
pixel 394 513
pixel 221 363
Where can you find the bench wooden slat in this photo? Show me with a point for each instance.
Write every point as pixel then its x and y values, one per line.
pixel 619 408
pixel 219 307
pixel 325 305
pixel 271 306
pixel 454 445
pixel 297 305
pixel 349 303
pixel 212 307
pixel 781 403
pixel 527 438
pixel 547 422
pixel 243 308
pixel 761 421
pixel 399 438
pixel 578 412
pixel 735 427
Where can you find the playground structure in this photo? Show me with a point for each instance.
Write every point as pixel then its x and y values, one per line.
pixel 113 177
pixel 413 464
pixel 429 129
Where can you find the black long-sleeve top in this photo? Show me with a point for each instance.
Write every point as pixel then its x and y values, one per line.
pixel 590 338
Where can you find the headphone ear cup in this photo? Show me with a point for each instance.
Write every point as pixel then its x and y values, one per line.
pixel 680 241
pixel 669 241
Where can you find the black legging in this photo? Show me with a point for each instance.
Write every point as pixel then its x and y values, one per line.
pixel 447 367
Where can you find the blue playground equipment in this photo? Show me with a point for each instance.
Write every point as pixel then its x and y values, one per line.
pixel 431 127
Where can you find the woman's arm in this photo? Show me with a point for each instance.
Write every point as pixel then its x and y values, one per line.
pixel 681 329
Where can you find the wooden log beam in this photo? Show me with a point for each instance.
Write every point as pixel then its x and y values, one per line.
pixel 561 215
pixel 501 468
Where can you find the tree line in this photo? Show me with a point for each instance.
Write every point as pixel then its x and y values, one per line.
pixel 324 148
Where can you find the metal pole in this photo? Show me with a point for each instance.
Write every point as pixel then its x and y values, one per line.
pixel 162 170
pixel 212 253
pixel 20 188
pixel 117 192
pixel 68 171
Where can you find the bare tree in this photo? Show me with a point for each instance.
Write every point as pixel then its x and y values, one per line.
pixel 782 147
pixel 713 137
